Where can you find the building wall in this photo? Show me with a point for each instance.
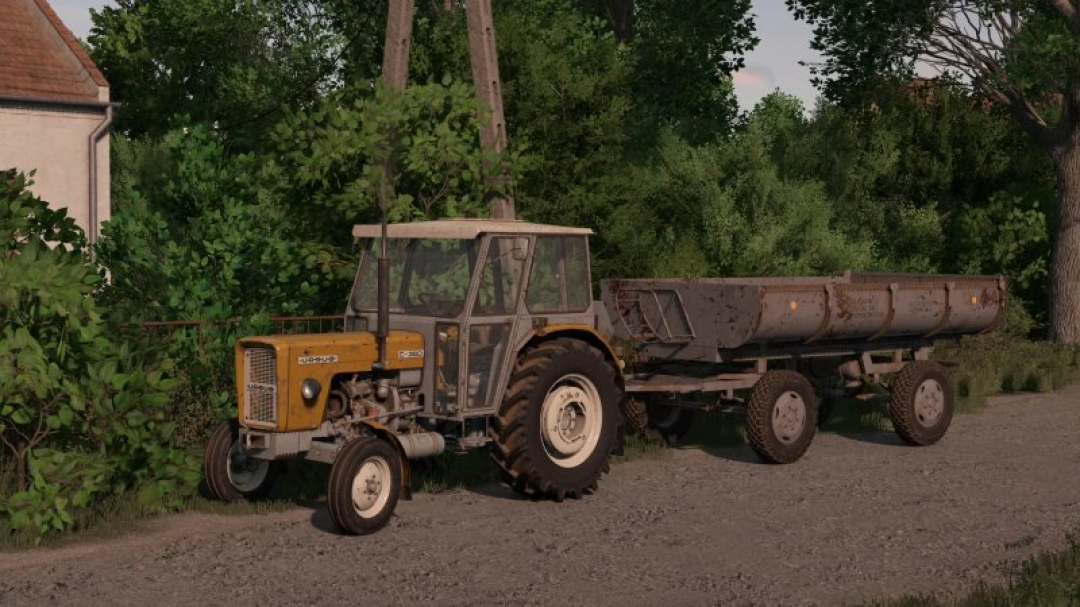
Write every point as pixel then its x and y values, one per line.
pixel 56 143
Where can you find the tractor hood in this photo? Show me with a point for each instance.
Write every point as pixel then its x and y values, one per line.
pixel 270 370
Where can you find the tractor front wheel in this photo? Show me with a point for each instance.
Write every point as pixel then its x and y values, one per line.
pixel 231 474
pixel 364 485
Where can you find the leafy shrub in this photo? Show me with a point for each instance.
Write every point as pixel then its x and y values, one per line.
pixel 1001 362
pixel 81 415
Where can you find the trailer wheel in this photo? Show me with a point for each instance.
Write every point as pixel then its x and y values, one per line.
pixel 781 417
pixel 558 422
pixel 231 475
pixel 921 403
pixel 672 423
pixel 364 485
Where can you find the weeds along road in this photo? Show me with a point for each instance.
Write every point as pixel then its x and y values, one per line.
pixel 861 517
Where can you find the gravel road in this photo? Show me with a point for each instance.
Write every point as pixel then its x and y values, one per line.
pixel 860 517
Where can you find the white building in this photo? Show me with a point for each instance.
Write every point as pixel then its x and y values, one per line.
pixel 54 112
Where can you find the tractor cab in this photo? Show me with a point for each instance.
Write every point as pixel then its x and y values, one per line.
pixel 476 291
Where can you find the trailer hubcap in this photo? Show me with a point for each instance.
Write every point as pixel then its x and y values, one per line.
pixel 789 417
pixel 929 402
pixel 570 420
pixel 246 473
pixel 371 487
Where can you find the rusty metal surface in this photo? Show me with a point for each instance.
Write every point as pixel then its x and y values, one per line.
pixel 731 313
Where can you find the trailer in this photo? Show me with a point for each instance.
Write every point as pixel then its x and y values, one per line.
pixel 464 334
pixel 794 341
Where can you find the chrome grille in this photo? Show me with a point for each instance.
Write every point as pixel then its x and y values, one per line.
pixel 260 385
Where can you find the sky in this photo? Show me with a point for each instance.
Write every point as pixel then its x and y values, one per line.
pixel 773 64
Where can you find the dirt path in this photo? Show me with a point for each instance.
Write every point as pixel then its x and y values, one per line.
pixel 861 517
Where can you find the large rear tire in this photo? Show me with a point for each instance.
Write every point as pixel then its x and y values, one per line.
pixel 781 417
pixel 231 475
pixel 559 420
pixel 921 403
pixel 364 485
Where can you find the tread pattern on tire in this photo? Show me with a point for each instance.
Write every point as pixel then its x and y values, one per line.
pixel 339 485
pixel 758 415
pixel 902 391
pixel 510 449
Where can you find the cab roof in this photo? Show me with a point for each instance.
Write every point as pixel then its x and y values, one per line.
pixel 466 229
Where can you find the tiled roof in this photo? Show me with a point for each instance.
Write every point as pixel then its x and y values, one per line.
pixel 40 58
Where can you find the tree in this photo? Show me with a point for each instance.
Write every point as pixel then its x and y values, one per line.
pixel 1021 54
pixel 234 65
pixel 684 53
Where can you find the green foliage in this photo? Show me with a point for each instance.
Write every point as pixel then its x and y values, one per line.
pixel 685 53
pixel 725 211
pixel 80 414
pixel 568 95
pixel 204 238
pixel 1050 579
pixel 416 149
pixel 237 65
pixel 1000 362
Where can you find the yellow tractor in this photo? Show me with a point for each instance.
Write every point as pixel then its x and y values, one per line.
pixel 495 339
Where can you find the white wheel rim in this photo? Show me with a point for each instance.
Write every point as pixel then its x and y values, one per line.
pixel 245 473
pixel 571 420
pixel 371 487
pixel 929 402
pixel 789 417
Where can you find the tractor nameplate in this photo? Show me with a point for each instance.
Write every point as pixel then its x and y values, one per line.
pixel 317 360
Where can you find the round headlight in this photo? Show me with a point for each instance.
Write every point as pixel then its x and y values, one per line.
pixel 309 389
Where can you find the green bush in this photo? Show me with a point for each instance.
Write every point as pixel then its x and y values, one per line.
pixel 82 416
pixel 1002 362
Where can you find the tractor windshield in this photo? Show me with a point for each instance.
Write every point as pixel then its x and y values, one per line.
pixel 428 276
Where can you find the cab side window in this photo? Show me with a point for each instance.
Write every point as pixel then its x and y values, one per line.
pixel 560 276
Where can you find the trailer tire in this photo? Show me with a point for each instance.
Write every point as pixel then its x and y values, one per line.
pixel 227 477
pixel 671 423
pixel 781 416
pixel 364 485
pixel 921 402
pixel 559 420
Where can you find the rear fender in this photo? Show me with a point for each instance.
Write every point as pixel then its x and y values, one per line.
pixel 581 332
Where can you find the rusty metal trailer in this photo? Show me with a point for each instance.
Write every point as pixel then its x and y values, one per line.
pixel 792 341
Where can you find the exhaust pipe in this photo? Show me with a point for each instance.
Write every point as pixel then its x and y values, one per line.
pixel 382 327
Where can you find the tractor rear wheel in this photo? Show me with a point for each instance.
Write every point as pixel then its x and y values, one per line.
pixel 231 474
pixel 559 420
pixel 364 485
pixel 921 402
pixel 781 417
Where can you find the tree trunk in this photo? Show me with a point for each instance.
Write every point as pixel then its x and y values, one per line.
pixel 1065 261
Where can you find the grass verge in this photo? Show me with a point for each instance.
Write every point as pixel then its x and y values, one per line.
pixel 1048 580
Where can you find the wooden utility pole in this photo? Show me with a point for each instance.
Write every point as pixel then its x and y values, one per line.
pixel 398 42
pixel 485 73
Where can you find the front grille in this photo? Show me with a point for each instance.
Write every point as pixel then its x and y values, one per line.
pixel 260 385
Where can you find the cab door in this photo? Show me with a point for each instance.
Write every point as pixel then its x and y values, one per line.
pixel 489 326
